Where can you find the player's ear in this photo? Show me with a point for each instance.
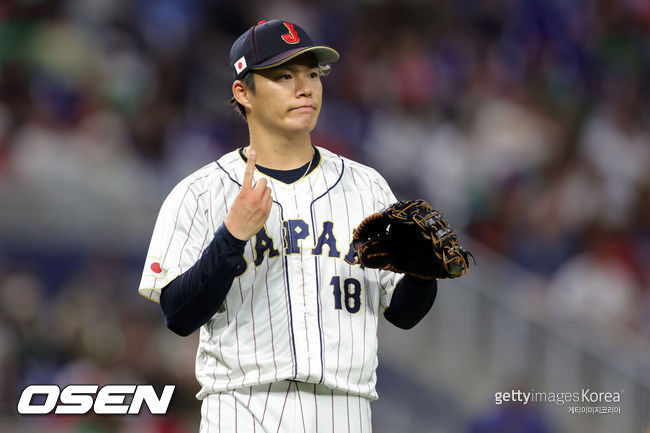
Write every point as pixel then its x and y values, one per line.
pixel 241 93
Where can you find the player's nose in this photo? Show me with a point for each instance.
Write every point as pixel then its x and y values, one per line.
pixel 304 86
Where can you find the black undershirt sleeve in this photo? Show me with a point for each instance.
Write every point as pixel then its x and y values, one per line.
pixel 193 297
pixel 411 301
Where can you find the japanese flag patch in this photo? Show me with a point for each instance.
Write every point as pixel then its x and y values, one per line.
pixel 240 65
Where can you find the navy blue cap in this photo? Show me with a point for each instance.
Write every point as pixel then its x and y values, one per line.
pixel 271 43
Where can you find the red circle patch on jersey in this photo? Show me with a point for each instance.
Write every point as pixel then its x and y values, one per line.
pixel 155 266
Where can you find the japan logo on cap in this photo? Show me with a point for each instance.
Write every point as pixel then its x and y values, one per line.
pixel 240 65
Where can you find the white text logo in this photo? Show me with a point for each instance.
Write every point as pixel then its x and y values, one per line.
pixel 80 399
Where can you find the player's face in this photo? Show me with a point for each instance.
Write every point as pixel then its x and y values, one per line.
pixel 288 98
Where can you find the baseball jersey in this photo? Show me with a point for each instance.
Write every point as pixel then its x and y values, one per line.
pixel 300 309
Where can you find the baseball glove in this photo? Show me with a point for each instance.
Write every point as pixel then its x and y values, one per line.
pixel 410 237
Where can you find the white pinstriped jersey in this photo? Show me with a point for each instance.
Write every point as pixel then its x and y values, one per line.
pixel 300 310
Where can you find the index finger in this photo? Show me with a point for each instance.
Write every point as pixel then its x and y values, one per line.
pixel 250 169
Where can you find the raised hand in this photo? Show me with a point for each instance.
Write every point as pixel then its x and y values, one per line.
pixel 251 208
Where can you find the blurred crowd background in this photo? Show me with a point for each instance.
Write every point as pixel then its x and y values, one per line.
pixel 525 121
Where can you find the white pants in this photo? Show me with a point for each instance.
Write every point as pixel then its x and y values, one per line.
pixel 287 407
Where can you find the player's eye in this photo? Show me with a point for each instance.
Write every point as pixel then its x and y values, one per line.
pixel 314 74
pixel 284 77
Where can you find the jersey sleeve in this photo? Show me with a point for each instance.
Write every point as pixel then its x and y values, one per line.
pixel 387 279
pixel 180 234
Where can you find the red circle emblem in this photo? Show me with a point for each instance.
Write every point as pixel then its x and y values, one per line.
pixel 155 266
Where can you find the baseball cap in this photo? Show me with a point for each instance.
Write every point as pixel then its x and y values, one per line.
pixel 271 43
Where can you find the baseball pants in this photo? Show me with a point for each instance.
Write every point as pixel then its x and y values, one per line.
pixel 285 407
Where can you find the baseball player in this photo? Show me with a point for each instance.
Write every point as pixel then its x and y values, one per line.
pixel 256 250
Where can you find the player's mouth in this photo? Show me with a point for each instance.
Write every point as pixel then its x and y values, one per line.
pixel 307 108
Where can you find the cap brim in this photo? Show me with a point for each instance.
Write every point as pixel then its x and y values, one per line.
pixel 323 55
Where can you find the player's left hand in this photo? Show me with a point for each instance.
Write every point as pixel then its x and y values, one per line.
pixel 409 237
pixel 251 208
